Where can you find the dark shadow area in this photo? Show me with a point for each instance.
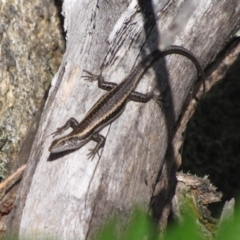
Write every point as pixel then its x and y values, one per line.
pixel 58 4
pixel 164 193
pixel 212 142
pixel 55 156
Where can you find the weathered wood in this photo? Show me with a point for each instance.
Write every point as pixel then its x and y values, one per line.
pixel 8 193
pixel 197 193
pixel 8 183
pixel 68 198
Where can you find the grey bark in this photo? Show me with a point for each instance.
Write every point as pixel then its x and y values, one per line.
pixel 69 198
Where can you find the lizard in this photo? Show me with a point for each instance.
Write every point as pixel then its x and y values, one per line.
pixel 111 105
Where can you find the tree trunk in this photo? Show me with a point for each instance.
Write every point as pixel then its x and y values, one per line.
pixel 70 196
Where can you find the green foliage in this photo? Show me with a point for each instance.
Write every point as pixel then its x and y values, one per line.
pixel 230 229
pixel 184 231
pixel 141 227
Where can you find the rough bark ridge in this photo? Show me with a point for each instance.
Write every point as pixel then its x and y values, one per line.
pixel 68 198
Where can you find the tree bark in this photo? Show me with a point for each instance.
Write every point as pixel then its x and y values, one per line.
pixel 70 197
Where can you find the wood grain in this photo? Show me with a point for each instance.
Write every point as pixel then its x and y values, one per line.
pixel 70 197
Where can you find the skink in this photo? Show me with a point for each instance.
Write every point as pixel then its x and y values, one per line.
pixel 111 105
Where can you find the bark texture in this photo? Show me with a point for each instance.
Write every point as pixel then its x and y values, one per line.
pixel 70 196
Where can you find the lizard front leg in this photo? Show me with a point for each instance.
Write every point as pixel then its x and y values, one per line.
pixel 71 123
pixel 101 82
pixel 100 139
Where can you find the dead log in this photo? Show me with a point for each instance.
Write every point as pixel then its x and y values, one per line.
pixel 70 197
pixel 8 192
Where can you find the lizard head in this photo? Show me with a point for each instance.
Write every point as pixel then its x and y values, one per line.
pixel 65 144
